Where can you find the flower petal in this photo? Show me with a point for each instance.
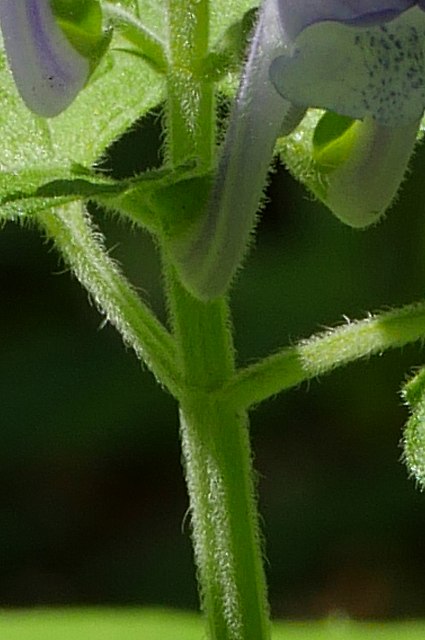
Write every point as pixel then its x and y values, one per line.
pixel 358 71
pixel 208 259
pixel 48 71
pixel 297 15
pixel 363 187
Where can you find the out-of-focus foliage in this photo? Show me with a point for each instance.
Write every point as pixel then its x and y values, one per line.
pixel 159 624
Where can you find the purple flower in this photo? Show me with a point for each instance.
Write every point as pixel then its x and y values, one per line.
pixel 359 58
pixel 354 58
pixel 296 15
pixel 47 69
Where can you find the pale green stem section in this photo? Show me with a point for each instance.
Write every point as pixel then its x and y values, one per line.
pixel 215 438
pixel 82 248
pixel 190 98
pixel 325 352
pixel 218 465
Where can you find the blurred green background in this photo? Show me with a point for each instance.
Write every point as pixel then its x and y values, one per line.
pixel 92 500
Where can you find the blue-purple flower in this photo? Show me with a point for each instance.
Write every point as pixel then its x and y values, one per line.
pixel 296 15
pixel 49 67
pixel 355 58
pixel 359 58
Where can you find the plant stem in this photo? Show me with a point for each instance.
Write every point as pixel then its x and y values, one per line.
pixel 81 247
pixel 190 114
pixel 325 352
pixel 218 466
pixel 215 438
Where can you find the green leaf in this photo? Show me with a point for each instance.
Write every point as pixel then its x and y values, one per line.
pixel 125 90
pixel 226 12
pixel 31 190
pixel 179 205
pixel 151 12
pixel 223 14
pixel 144 42
pixel 122 90
pixel 18 193
pixel 35 150
pixel 161 200
pixel 229 52
pixel 158 200
pixel 82 23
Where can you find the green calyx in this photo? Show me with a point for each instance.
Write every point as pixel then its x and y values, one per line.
pixel 82 23
pixel 307 161
pixel 180 206
pixel 333 140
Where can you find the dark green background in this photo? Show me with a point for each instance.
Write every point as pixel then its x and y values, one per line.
pixel 92 501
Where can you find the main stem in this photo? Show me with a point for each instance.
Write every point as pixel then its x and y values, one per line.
pixel 215 437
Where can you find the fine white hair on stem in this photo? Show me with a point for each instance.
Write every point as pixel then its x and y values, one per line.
pixel 211 257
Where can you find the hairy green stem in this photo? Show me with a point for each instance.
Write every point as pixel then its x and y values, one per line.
pixel 82 248
pixel 190 97
pixel 324 352
pixel 218 466
pixel 215 438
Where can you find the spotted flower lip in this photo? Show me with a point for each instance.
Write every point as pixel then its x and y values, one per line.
pixel 364 59
pixel 48 71
pixel 367 61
